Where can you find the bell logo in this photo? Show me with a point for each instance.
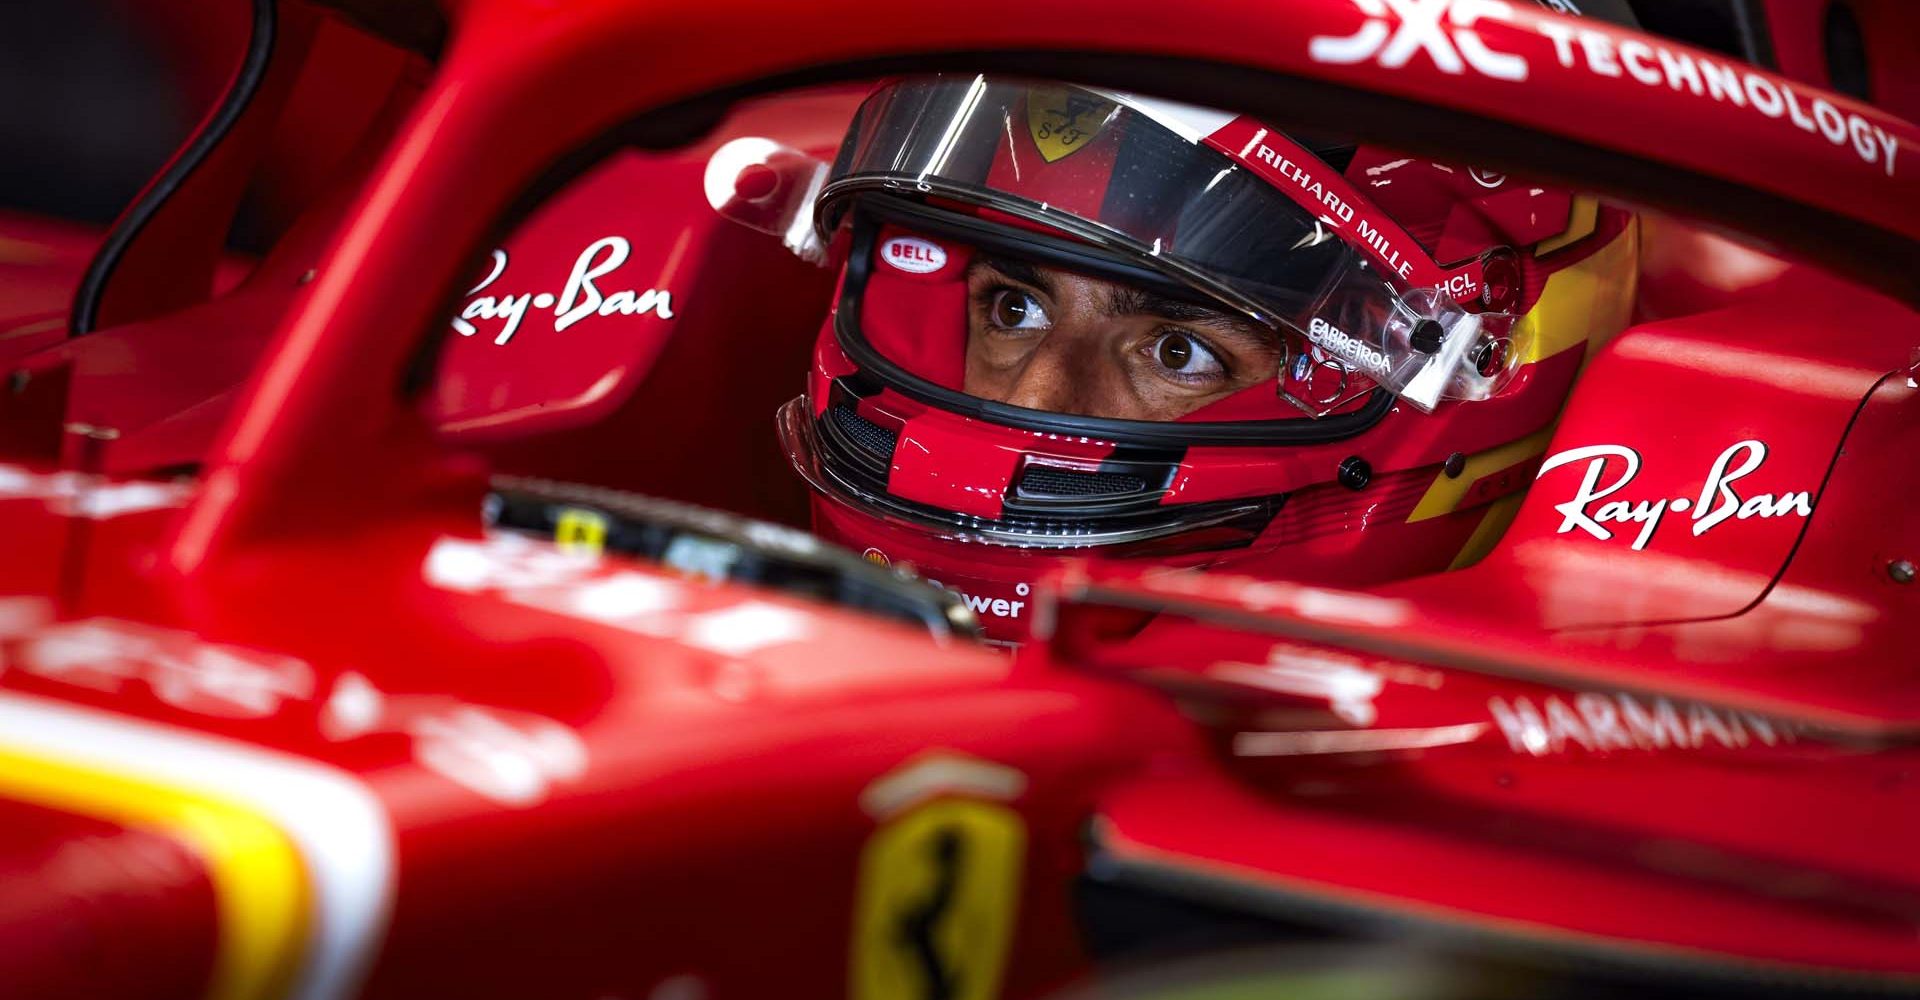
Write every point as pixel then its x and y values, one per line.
pixel 916 256
pixel 1396 29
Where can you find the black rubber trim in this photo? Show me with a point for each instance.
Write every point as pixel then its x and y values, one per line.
pixel 1750 20
pixel 1844 44
pixel 253 69
pixel 1137 433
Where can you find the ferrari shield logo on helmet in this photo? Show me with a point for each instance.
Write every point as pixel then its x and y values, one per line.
pixel 1064 120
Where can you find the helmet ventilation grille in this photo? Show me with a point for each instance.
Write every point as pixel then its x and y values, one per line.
pixel 1050 483
pixel 867 435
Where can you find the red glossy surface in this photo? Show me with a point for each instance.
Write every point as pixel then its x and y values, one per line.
pixel 95 908
pixel 595 776
pixel 1890 30
pixel 1569 857
pixel 40 261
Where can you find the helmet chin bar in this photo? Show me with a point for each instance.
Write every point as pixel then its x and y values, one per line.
pixel 869 210
pixel 821 459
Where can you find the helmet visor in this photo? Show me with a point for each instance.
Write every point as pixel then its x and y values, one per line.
pixel 1255 259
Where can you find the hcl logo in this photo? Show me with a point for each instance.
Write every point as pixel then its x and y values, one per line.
pixel 1443 29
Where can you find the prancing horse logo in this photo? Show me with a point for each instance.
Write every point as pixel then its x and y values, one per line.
pixel 1064 121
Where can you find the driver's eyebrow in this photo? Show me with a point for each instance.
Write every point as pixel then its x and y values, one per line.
pixel 1129 300
pixel 1016 270
pixel 1125 300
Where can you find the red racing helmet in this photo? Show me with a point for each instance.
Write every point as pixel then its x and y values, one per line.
pixel 1079 323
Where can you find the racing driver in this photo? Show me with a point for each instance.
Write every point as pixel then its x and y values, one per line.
pixel 1076 322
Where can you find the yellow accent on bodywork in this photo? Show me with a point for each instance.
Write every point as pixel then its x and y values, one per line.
pixel 14 251
pixel 1585 303
pixel 260 885
pixel 1444 496
pixel 1582 217
pixel 1493 524
pixel 1582 306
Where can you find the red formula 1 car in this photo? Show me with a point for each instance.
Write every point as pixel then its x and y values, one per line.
pixel 426 612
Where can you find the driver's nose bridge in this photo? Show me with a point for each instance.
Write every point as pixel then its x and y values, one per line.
pixel 1067 370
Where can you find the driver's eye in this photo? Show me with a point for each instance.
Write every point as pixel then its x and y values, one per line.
pixel 1175 352
pixel 1013 309
pixel 1182 355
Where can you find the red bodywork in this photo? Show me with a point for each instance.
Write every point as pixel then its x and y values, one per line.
pixel 292 724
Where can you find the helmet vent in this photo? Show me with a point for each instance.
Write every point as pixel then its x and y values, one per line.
pixel 865 434
pixel 1045 482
